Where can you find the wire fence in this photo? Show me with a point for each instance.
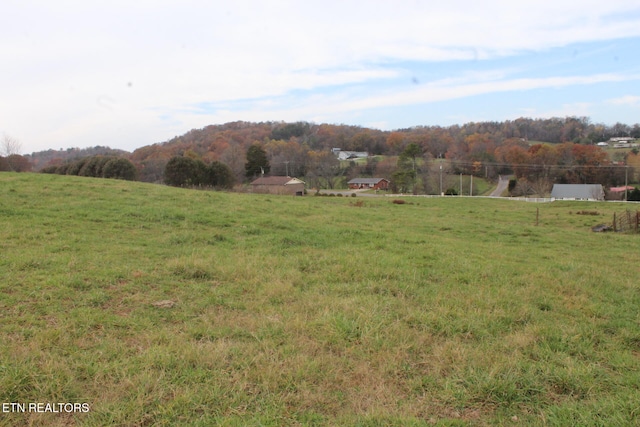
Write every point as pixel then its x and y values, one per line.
pixel 626 222
pixel 518 199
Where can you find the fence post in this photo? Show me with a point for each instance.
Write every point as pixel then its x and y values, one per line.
pixel 614 222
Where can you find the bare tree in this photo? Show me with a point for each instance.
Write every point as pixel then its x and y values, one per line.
pixel 234 157
pixel 541 186
pixel 10 145
pixel 10 148
pixel 325 169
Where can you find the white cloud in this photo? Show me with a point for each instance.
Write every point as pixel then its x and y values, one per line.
pixel 449 89
pixel 129 74
pixel 628 100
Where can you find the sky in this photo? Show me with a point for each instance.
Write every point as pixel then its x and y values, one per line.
pixel 127 74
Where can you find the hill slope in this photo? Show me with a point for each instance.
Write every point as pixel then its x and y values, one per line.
pixel 162 306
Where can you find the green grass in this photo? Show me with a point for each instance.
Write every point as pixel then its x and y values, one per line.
pixel 311 311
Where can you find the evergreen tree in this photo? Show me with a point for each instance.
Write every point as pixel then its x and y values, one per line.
pixel 404 177
pixel 257 162
pixel 634 195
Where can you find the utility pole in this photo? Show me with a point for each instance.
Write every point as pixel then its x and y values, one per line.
pixel 441 193
pixel 460 184
pixel 626 170
pixel 471 186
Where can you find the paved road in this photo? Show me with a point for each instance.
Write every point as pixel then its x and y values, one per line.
pixel 503 183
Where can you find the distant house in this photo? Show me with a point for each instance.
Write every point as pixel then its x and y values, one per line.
pixel 622 142
pixel 347 155
pixel 278 185
pixel 622 145
pixel 618 193
pixel 622 139
pixel 621 189
pixel 369 183
pixel 577 192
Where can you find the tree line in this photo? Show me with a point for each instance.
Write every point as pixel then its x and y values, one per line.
pixel 182 171
pixel 302 149
pixel 406 156
pixel 191 171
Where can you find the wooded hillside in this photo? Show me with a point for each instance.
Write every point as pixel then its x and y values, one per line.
pixel 486 149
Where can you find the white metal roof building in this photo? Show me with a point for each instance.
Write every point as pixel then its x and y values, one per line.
pixel 577 192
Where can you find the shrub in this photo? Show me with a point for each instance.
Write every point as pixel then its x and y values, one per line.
pixel 180 171
pixel 17 163
pixel 119 168
pixel 588 213
pixel 89 167
pixel 49 169
pixel 220 175
pixel 183 171
pixel 62 169
pixel 634 195
pixel 74 168
pixel 94 166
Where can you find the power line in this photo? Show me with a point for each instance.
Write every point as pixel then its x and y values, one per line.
pixel 527 165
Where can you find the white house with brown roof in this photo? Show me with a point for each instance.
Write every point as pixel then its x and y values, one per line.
pixel 278 185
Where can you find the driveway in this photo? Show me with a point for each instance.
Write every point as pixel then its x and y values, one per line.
pixel 503 183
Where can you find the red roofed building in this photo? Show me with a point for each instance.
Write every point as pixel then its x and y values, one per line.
pixel 621 189
pixel 619 193
pixel 369 183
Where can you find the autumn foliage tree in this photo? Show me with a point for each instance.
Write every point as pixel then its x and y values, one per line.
pixel 303 149
pixel 13 161
pixel 18 163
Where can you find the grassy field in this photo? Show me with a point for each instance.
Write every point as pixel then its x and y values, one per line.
pixel 162 306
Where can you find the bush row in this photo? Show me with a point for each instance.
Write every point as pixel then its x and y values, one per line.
pixel 318 193
pixel 187 172
pixel 97 167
